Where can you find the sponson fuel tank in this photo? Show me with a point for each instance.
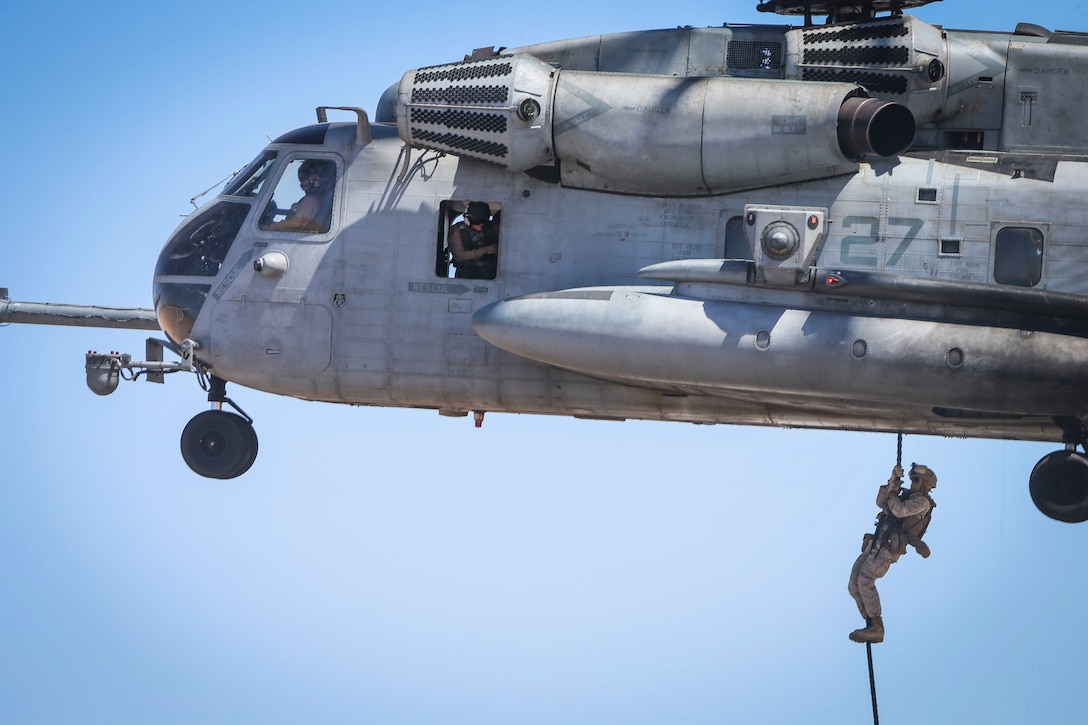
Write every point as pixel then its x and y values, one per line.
pixel 647 134
pixel 648 337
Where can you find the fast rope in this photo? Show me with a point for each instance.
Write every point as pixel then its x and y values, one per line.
pixel 869 645
pixel 872 681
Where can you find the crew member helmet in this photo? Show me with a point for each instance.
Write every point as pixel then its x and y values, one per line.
pixel 315 171
pixel 924 474
pixel 477 212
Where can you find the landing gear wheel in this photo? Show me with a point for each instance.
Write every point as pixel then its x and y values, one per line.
pixel 1059 486
pixel 217 444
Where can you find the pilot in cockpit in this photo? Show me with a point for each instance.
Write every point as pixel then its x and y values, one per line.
pixel 312 212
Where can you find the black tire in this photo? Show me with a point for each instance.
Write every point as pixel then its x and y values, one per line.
pixel 1059 486
pixel 217 444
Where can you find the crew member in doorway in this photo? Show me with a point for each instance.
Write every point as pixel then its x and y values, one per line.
pixel 903 518
pixel 474 243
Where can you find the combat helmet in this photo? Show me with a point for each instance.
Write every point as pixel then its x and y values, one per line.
pixel 924 474
pixel 477 212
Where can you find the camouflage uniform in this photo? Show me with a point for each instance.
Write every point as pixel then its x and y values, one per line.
pixel 907 515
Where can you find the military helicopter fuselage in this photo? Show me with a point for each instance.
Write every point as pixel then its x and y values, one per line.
pixel 874 224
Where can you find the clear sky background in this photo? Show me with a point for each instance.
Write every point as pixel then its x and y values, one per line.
pixel 583 572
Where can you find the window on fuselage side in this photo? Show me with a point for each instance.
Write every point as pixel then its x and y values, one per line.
pixel 452 221
pixel 302 201
pixel 1018 256
pixel 737 245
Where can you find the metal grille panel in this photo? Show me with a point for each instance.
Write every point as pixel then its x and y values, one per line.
pixel 753 55
pixel 461 143
pixel 463 71
pixel 858 33
pixel 478 95
pixel 873 82
pixel 489 122
pixel 899 55
pixel 486 109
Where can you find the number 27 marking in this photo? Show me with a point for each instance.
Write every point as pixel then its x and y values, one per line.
pixel 861 249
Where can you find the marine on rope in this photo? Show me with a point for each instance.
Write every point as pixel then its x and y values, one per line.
pixel 903 519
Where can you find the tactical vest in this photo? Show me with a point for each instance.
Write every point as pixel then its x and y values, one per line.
pixel 473 240
pixel 895 533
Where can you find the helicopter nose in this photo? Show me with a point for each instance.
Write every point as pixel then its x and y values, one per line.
pixel 174 320
pixel 189 263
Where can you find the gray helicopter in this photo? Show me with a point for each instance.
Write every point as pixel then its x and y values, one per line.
pixel 859 222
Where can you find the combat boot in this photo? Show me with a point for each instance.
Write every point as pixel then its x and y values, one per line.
pixel 873 632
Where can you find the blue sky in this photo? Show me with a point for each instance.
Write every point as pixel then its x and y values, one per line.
pixel 591 572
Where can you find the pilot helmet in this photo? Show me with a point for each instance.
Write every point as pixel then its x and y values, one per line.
pixel 477 212
pixel 924 474
pixel 313 167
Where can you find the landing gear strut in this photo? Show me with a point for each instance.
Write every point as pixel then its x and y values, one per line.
pixel 218 444
pixel 1059 481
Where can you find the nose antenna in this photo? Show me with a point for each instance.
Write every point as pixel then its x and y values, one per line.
pixel 362 125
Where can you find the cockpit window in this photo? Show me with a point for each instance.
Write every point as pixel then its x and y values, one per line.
pixel 199 248
pixel 250 180
pixel 302 201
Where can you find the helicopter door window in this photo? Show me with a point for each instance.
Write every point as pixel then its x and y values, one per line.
pixel 1018 256
pixel 302 201
pixel 468 239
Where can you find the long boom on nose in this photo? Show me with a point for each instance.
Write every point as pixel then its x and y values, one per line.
pixel 45 313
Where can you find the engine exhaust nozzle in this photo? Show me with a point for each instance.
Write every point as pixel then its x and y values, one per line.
pixel 868 126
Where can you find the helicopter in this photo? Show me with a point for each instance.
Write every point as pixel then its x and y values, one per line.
pixel 866 223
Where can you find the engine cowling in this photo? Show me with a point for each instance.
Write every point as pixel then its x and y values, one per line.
pixel 647 134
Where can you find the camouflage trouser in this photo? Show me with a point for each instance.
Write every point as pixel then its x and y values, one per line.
pixel 869 567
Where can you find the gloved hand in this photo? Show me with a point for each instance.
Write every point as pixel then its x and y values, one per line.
pixel 897 472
